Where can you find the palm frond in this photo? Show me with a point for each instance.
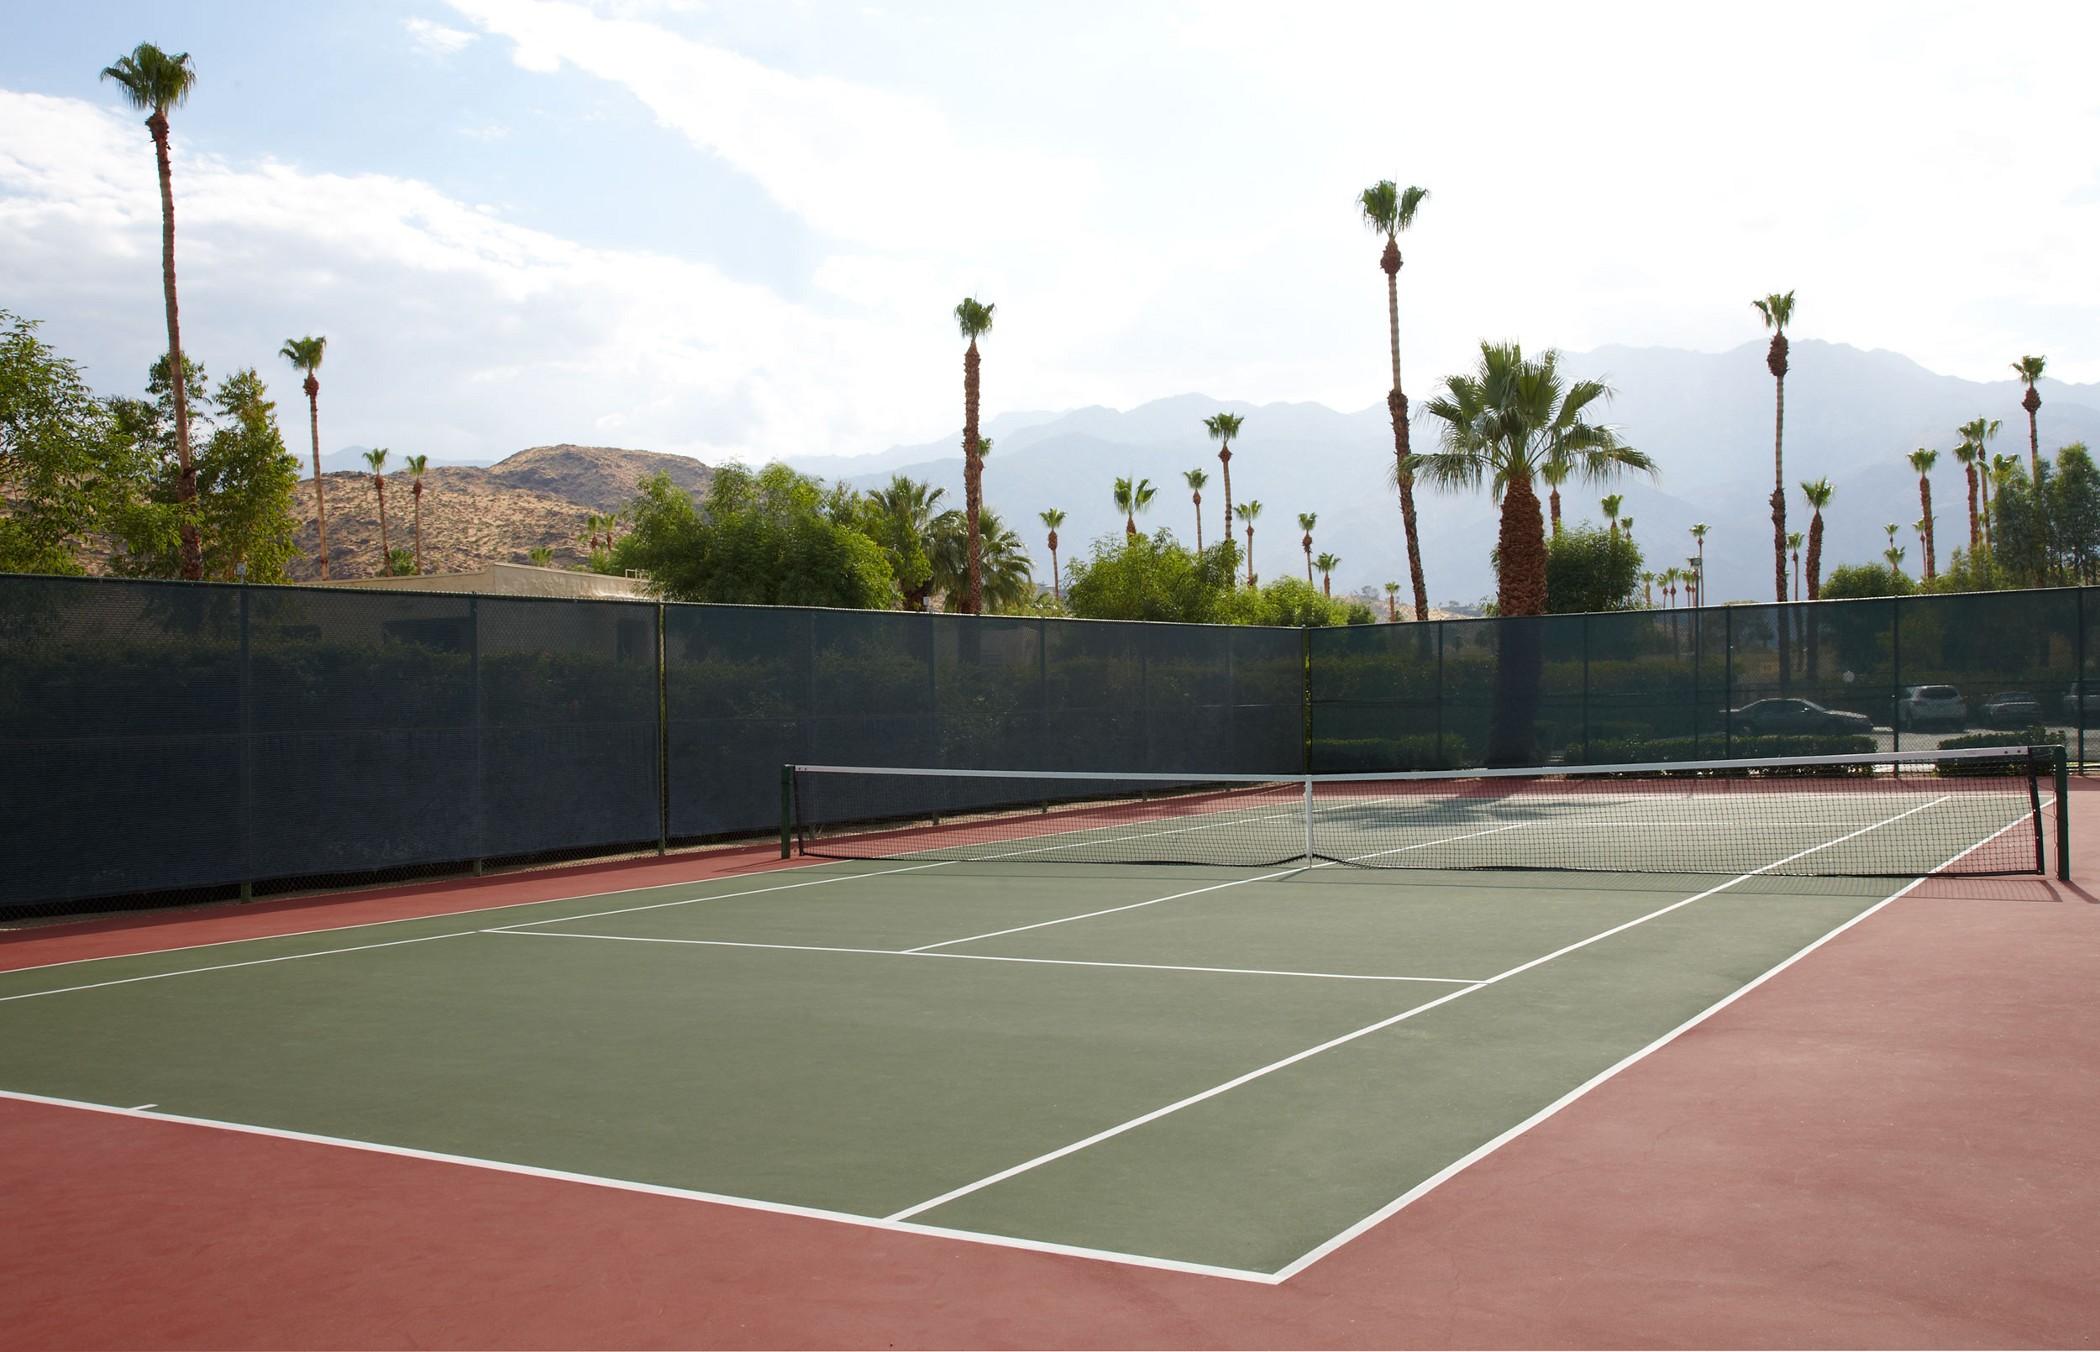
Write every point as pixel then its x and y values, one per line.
pixel 1379 206
pixel 153 80
pixel 974 317
pixel 1410 201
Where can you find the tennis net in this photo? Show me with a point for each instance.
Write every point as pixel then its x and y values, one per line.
pixel 1907 814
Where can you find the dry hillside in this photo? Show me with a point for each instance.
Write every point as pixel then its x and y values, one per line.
pixel 538 497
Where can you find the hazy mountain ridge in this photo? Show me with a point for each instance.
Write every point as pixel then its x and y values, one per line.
pixel 1851 415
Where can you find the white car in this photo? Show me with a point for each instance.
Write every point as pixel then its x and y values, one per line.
pixel 1922 704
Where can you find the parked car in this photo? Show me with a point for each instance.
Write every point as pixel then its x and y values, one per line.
pixel 1923 704
pixel 1770 716
pixel 2012 709
pixel 2082 700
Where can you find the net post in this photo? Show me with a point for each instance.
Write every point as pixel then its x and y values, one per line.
pixel 2059 762
pixel 787 811
pixel 1308 819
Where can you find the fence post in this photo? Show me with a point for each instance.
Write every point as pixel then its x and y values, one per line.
pixel 1896 671
pixel 787 811
pixel 2078 677
pixel 663 730
pixel 1305 721
pixel 480 814
pixel 2063 816
pixel 247 752
pixel 1437 696
pixel 1727 677
pixel 1585 688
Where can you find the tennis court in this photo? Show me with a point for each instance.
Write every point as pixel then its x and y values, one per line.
pixel 1221 1068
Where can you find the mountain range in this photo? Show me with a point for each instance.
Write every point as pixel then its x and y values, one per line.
pixel 1851 415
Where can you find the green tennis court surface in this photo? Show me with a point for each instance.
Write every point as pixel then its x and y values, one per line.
pixel 1219 1067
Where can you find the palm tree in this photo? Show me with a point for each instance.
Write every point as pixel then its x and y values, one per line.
pixel 2030 369
pixel 1648 590
pixel 1976 435
pixel 1793 547
pixel 1223 427
pixel 1246 512
pixel 1818 492
pixel 1388 210
pixel 1392 602
pixel 1894 554
pixel 908 508
pixel 1699 572
pixel 1196 479
pixel 1611 505
pixel 1668 578
pixel 305 354
pixel 1008 584
pixel 1778 311
pixel 1554 473
pixel 1499 426
pixel 1922 460
pixel 974 318
pixel 417 464
pixel 1052 519
pixel 1133 495
pixel 155 81
pixel 1327 563
pixel 376 458
pixel 1626 526
pixel 1305 523
pixel 1695 580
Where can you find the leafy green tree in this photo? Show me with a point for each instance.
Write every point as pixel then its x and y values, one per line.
pixel 1150 577
pixel 1290 602
pixel 1588 568
pixel 156 81
pixel 2076 513
pixel 65 474
pixel 2020 533
pixel 305 354
pixel 1778 311
pixel 1387 209
pixel 1853 581
pixel 974 318
pixel 764 537
pixel 899 518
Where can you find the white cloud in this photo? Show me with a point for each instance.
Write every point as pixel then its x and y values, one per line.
pixel 450 328
pixel 435 39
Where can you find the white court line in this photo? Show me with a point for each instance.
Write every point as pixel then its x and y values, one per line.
pixel 427 938
pixel 1109 1133
pixel 1386 1212
pixel 661 1190
pixel 352 899
pixel 988 957
pixel 141 1107
pixel 1266 877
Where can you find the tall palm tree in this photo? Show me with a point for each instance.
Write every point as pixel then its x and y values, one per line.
pixel 1554 473
pixel 1388 210
pixel 1793 547
pixel 1648 590
pixel 1922 460
pixel 1223 427
pixel 1818 492
pixel 1668 578
pixel 2029 369
pixel 1894 554
pixel 1699 568
pixel 1626 526
pixel 1392 602
pixel 974 319
pixel 1327 563
pixel 1976 435
pixel 376 458
pixel 1306 521
pixel 305 354
pixel 1611 505
pixel 1052 519
pixel 1778 312
pixel 1695 580
pixel 417 464
pixel 1196 480
pixel 1247 512
pixel 1499 426
pixel 1132 495
pixel 155 81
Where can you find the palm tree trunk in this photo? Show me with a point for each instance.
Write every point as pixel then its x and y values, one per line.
pixel 1520 594
pixel 1553 509
pixel 192 553
pixel 2032 402
pixel 416 491
pixel 1521 547
pixel 386 555
pixel 1250 553
pixel 1225 464
pixel 1327 583
pixel 1925 500
pixel 1198 497
pixel 1975 531
pixel 1779 489
pixel 973 480
pixel 1396 405
pixel 313 420
pixel 1815 557
pixel 1057 593
pixel 1983 482
pixel 1308 560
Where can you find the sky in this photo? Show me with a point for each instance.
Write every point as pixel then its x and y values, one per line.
pixel 740 230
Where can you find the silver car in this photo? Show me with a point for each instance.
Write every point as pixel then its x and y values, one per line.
pixel 1923 704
